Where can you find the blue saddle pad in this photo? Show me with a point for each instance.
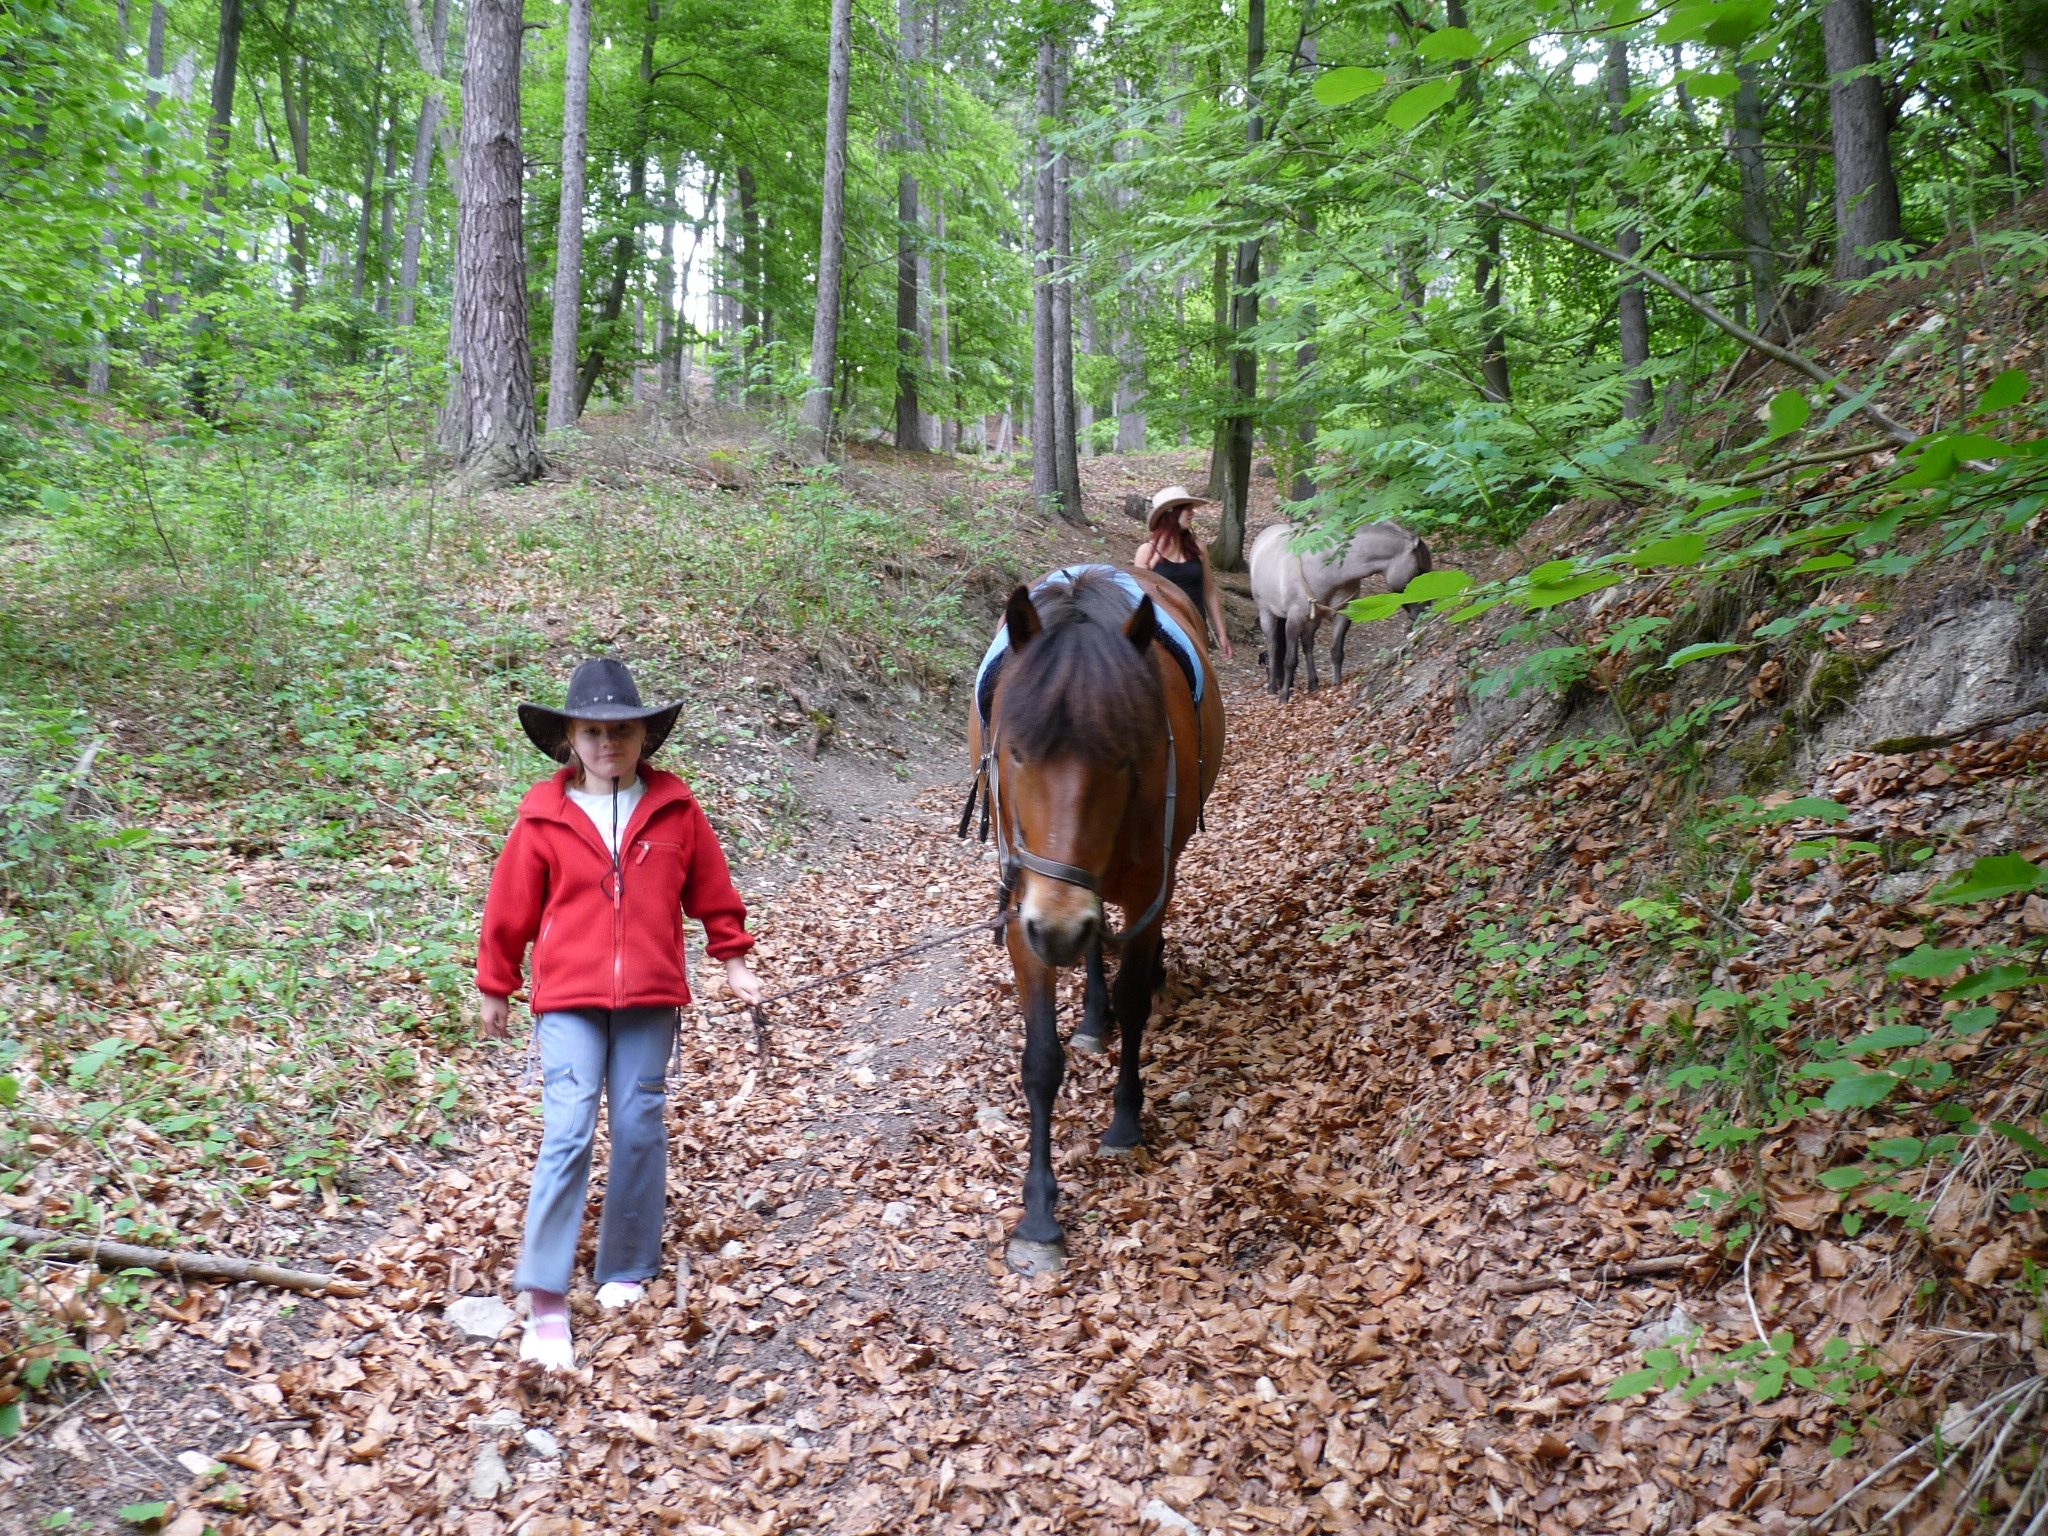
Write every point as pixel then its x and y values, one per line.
pixel 1178 645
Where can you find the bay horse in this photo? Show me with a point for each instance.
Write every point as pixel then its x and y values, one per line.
pixel 1097 730
pixel 1297 591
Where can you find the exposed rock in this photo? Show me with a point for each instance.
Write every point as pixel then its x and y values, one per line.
pixel 488 1476
pixel 1661 1331
pixel 897 1213
pixel 480 1317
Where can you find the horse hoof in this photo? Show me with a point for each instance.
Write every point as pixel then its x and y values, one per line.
pixel 1121 1154
pixel 1094 1045
pixel 1029 1258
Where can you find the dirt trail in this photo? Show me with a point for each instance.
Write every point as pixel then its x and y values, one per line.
pixel 1280 1318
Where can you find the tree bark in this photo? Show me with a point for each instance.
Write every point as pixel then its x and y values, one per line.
pixel 221 124
pixel 292 97
pixel 1306 50
pixel 1045 474
pixel 564 405
pixel 152 290
pixel 1084 405
pixel 751 323
pixel 489 427
pixel 947 422
pixel 359 281
pixel 816 419
pixel 1227 553
pixel 1494 381
pixel 2034 72
pixel 1631 306
pixel 1753 179
pixel 1866 193
pixel 1068 463
pixel 387 217
pixel 1219 436
pixel 431 44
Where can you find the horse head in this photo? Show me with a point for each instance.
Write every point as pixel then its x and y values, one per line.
pixel 1078 719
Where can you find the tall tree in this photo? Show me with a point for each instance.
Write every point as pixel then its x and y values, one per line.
pixel 1866 192
pixel 489 426
pixel 1631 307
pixel 1495 383
pixel 227 55
pixel 373 150
pixel 1305 55
pixel 1045 474
pixel 1065 435
pixel 430 46
pixel 1759 241
pixel 909 419
pixel 1227 553
pixel 816 418
pixel 563 405
pixel 626 248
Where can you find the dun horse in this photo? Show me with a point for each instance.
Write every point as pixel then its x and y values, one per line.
pixel 1295 592
pixel 1098 732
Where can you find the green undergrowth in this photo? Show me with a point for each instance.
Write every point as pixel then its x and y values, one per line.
pixel 258 748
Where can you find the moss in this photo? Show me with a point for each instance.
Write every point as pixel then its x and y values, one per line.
pixel 1832 679
pixel 1764 754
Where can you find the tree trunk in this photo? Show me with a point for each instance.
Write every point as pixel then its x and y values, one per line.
pixel 292 97
pixel 1494 382
pixel 1304 486
pixel 665 289
pixel 153 296
pixel 563 348
pixel 1632 308
pixel 221 123
pixel 909 419
pixel 1866 194
pixel 1084 406
pixel 1219 436
pixel 627 246
pixel 387 217
pixel 1227 553
pixel 753 325
pixel 948 440
pixel 1045 474
pixel 816 420
pixel 432 47
pixel 489 427
pixel 359 282
pixel 2033 72
pixel 1068 463
pixel 1753 179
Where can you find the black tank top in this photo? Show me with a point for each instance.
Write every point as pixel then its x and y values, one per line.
pixel 1187 575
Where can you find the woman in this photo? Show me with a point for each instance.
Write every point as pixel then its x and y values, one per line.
pixel 1172 550
pixel 606 858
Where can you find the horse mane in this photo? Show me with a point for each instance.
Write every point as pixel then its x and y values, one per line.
pixel 1080 686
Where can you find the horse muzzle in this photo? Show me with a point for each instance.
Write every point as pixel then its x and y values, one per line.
pixel 1062 938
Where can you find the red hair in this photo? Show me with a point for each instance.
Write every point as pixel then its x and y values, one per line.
pixel 1165 524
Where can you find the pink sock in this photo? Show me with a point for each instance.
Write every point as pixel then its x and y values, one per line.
pixel 550 1313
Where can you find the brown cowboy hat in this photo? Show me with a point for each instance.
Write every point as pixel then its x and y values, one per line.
pixel 599 689
pixel 1172 498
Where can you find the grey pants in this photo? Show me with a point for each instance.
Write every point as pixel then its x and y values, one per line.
pixel 623 1052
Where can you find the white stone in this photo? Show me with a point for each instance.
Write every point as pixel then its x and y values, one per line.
pixel 733 1250
pixel 1162 1514
pixel 1674 1325
pixel 859 1054
pixel 199 1464
pixel 480 1317
pixel 541 1443
pixel 897 1213
pixel 487 1474
pixel 990 1118
pixel 1182 1099
pixel 865 1076
pixel 736 1437
pixel 1086 1398
pixel 69 1437
pixel 1265 1390
pixel 499 1421
pixel 794 1208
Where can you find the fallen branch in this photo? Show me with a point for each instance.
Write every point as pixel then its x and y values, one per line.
pixel 1672 1265
pixel 230 843
pixel 1941 739
pixel 1804 461
pixel 184 1266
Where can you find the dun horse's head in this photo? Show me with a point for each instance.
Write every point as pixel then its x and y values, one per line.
pixel 1079 726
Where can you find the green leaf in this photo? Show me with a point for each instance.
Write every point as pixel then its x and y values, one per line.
pixel 1900 1149
pixel 1789 410
pixel 1814 563
pixel 2008 389
pixel 1339 87
pixel 1809 808
pixel 1381 605
pixel 1472 612
pixel 1550 595
pixel 1972 1021
pixel 1679 550
pixel 2025 1140
pixel 1435 586
pixel 1866 1090
pixel 1715 85
pixel 1844 1178
pixel 1719 24
pixel 1997 978
pixel 1416 105
pixel 10 1420
pixel 1927 962
pixel 145 1514
pixel 1886 1037
pixel 1700 652
pixel 1989 879
pixel 1633 1384
pixel 1447 44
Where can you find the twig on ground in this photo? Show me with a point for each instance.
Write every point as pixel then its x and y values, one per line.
pixel 184 1266
pixel 1673 1265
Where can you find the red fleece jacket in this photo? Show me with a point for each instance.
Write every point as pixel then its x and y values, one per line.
pixel 600 943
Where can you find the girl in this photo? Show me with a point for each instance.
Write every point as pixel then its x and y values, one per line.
pixel 1172 550
pixel 605 859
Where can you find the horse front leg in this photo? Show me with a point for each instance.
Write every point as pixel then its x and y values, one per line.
pixel 1339 633
pixel 1311 627
pixel 1276 651
pixel 1135 978
pixel 1091 1036
pixel 1290 651
pixel 1038 1246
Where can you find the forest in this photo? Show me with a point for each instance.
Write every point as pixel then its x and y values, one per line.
pixel 1599 1082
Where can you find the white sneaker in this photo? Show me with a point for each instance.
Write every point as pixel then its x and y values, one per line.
pixel 553 1348
pixel 614 1294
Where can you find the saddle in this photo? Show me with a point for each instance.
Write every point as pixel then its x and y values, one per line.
pixel 1182 649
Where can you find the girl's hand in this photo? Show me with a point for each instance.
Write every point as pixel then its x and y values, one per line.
pixel 1228 653
pixel 744 984
pixel 496 1010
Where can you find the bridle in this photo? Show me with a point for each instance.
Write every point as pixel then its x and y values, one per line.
pixel 1014 858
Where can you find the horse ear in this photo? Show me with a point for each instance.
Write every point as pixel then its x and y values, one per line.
pixel 1020 617
pixel 1142 626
